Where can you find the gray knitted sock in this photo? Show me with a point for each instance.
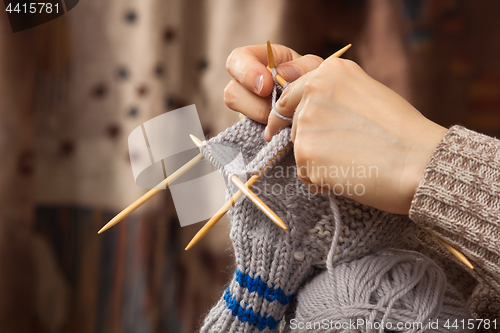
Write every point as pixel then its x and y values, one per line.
pixel 271 263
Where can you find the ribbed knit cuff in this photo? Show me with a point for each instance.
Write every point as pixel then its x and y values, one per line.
pixel 459 198
pixel 249 304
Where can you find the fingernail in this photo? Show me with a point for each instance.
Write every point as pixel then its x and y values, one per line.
pixel 281 102
pixel 259 82
pixel 291 71
pixel 266 133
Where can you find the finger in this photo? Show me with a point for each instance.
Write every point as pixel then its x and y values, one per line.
pixel 296 116
pixel 248 66
pixel 294 69
pixel 285 107
pixel 311 187
pixel 239 99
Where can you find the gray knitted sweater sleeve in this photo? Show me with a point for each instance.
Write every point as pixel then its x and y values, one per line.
pixel 458 198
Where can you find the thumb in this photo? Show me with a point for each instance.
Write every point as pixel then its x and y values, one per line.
pixel 294 69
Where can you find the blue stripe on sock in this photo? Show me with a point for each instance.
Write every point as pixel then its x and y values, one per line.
pixel 259 286
pixel 249 315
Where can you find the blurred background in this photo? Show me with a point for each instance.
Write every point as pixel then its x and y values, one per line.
pixel 71 91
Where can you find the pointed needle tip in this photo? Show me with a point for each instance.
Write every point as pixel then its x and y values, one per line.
pixel 196 141
pixel 270 56
pixel 106 227
pixel 191 244
pixel 340 52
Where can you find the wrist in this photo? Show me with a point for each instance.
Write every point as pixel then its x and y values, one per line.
pixel 423 152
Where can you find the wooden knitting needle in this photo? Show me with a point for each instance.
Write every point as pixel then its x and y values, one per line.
pixel 282 82
pixel 220 213
pixel 455 252
pixel 151 193
pixel 272 63
pixel 250 195
pixel 270 56
pixel 203 231
pixel 340 52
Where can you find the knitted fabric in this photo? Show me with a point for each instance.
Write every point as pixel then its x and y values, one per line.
pixel 271 263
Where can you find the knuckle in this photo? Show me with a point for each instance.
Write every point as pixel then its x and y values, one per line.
pixel 302 115
pixel 350 65
pixel 283 101
pixel 231 59
pixel 305 117
pixel 262 115
pixel 311 86
pixel 313 60
pixel 319 88
pixel 229 62
pixel 341 65
pixel 301 152
pixel 229 96
pixel 305 120
pixel 301 167
pixel 314 178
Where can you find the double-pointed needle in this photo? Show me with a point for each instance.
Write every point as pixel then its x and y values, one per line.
pixel 272 63
pixel 250 195
pixel 151 193
pixel 455 252
pixel 224 209
pixel 220 213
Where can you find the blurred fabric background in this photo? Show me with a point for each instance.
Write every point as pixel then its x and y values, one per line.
pixel 72 90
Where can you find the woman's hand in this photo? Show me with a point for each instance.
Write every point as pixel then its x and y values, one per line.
pixel 355 137
pixel 248 93
pixel 352 135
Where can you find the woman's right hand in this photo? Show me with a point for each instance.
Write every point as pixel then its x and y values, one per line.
pixel 248 92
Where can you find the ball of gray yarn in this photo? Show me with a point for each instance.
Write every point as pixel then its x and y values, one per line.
pixel 391 286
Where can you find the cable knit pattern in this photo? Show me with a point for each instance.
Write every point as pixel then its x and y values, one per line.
pixel 459 199
pixel 271 263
